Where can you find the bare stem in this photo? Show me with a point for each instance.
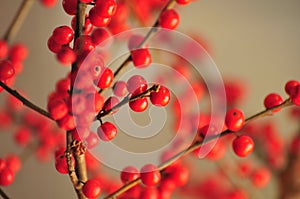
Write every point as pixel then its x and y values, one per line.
pixel 25 101
pixel 127 99
pixel 3 194
pixel 18 20
pixel 195 146
pixel 151 32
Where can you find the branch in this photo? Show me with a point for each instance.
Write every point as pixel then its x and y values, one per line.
pixel 18 20
pixel 127 99
pixel 195 146
pixel 151 32
pixel 3 194
pixel 25 101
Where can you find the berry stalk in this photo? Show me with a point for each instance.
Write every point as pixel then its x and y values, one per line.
pixel 196 145
pixel 3 194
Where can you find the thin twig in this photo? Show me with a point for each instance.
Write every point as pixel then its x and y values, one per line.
pixel 195 146
pixel 25 101
pixel 3 194
pixel 18 20
pixel 151 32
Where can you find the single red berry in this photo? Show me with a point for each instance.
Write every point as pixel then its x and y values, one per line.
pixel 161 97
pixel 57 109
pixel 22 136
pixel 48 3
pixel 67 122
pixel 98 20
pixel 106 8
pixel 13 162
pixel 61 164
pixel 92 140
pixel 290 87
pixel 149 193
pixel 91 189
pixel 2 164
pixel 150 175
pixel 63 35
pixel 139 105
pixel 66 56
pixel 272 100
pixel 183 2
pixel 234 119
pixel 106 78
pixel 3 49
pixel 110 102
pixel 107 131
pixel 7 176
pixel 136 84
pixel 99 35
pixel 169 19
pixel 86 1
pixel 141 57
pixel 209 130
pixel 70 6
pixel 243 145
pixel 261 177
pixel 295 97
pixel 129 173
pixel 18 53
pixel 6 70
pixel 178 173
pixel 98 102
pixel 63 85
pixel 53 46
pixel 88 26
pixel 120 88
pixel 84 43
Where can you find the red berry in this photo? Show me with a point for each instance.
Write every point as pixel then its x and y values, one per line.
pixel 129 173
pixel 136 84
pixel 6 177
pixel 13 162
pixel 48 3
pixel 139 105
pixel 87 28
pixel 67 122
pixel 272 100
pixel 234 119
pixel 57 109
pixel 150 175
pixel 61 164
pixel 149 193
pixel 183 2
pixel 209 130
pixel 63 35
pixel 290 87
pixel 53 46
pixel 110 102
pixel 66 56
pixel 98 102
pixel 178 173
pixel 261 177
pixel 91 189
pixel 141 57
pixel 98 20
pixel 107 131
pixel 86 1
pixel 2 164
pixel 99 35
pixel 243 145
pixel 106 78
pixel 296 96
pixel 120 88
pixel 6 70
pixel 106 8
pixel 169 19
pixel 70 6
pixel 92 140
pixel 3 49
pixel 84 43
pixel 161 97
pixel 23 136
pixel 18 53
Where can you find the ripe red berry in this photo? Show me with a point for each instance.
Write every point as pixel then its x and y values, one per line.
pixel 86 1
pixel 107 131
pixel 3 49
pixel 106 8
pixel 61 164
pixel 63 35
pixel 261 177
pixel 183 2
pixel 98 100
pixel 273 100
pixel 66 56
pixel 141 57
pixel 98 20
pixel 209 130
pixel 70 6
pixel 13 162
pixel 92 140
pixel 2 164
pixel 243 145
pixel 150 175
pixel 120 88
pixel 57 109
pixel 161 97
pixel 22 136
pixel 139 105
pixel 169 19
pixel 87 28
pixel 84 43
pixel 234 119
pixel 290 87
pixel 7 176
pixel 106 78
pixel 110 102
pixel 67 122
pixel 53 46
pixel 136 84
pixel 295 95
pixel 18 52
pixel 48 3
pixel 91 189
pixel 129 173
pixel 6 70
pixel 99 35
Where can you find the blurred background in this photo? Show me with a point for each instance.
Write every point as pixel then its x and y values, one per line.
pixel 255 41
